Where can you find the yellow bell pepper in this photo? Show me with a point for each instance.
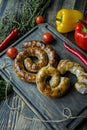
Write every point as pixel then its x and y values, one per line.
pixel 66 20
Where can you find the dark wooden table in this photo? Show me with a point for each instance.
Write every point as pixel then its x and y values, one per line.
pixel 22 118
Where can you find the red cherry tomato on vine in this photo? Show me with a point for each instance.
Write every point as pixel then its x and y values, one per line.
pixel 39 19
pixel 12 52
pixel 47 37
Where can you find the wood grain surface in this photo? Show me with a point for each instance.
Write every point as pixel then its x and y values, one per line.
pixel 23 117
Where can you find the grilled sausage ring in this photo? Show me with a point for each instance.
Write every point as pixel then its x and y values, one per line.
pixel 50 83
pixel 51 53
pixel 33 53
pixel 23 63
pixel 76 69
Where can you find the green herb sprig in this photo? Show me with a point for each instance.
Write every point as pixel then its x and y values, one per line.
pixel 3 84
pixel 30 9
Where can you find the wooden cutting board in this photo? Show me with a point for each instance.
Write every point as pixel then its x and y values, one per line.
pixel 44 107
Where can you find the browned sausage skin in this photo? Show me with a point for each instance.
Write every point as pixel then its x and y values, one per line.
pixel 50 83
pixel 51 53
pixel 78 71
pixel 24 65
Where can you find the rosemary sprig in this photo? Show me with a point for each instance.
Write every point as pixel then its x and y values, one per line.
pixel 30 9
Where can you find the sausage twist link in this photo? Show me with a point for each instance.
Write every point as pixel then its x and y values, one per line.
pixel 78 71
pixel 50 83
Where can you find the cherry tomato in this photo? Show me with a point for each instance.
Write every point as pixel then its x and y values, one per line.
pixel 39 19
pixel 12 52
pixel 47 37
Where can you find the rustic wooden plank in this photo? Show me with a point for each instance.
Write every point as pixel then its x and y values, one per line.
pixel 27 121
pixel 68 4
pixel 80 5
pixel 82 126
pixel 18 119
pixel 21 121
pixel 7 116
pixel 0 1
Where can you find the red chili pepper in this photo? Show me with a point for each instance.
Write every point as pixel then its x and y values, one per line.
pixel 77 53
pixel 81 34
pixel 8 39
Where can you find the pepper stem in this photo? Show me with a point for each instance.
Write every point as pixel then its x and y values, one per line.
pixel 59 19
pixel 84 29
pixel 80 21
